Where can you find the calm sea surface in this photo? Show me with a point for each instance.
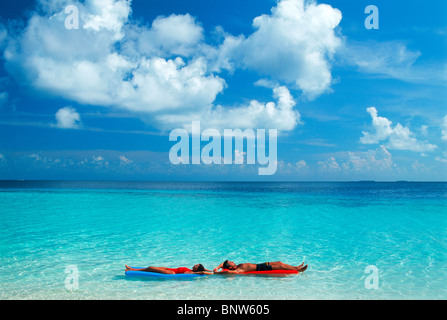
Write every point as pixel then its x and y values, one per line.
pixel 50 230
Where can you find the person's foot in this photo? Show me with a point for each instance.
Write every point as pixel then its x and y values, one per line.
pixel 303 269
pixel 298 268
pixel 128 268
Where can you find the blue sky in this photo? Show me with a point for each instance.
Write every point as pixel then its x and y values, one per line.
pixel 99 101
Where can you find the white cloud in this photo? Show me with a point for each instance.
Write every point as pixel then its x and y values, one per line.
pixel 371 160
pixel 293 45
pixel 397 137
pixel 444 128
pixel 67 118
pixel 110 15
pixel 329 165
pixel 270 115
pixel 266 83
pixel 166 70
pixel 357 163
pixel 382 128
pixel 125 160
pixel 301 164
pixel 176 34
pixel 55 59
pixel 35 156
pixel 300 167
pixel 391 59
pixel 97 159
pixel 443 160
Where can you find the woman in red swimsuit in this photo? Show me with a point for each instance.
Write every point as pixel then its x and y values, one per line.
pixel 198 268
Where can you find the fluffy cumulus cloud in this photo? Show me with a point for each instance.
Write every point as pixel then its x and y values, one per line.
pixel 396 137
pixel 166 69
pixel 357 163
pixel 125 161
pixel 271 115
pixel 175 34
pixel 67 118
pixel 301 164
pixel 371 160
pixel 329 165
pixel 293 44
pixel 84 65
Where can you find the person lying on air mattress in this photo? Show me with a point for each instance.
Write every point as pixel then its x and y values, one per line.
pixel 231 267
pixel 197 269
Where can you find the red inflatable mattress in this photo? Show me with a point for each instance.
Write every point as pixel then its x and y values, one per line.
pixel 266 272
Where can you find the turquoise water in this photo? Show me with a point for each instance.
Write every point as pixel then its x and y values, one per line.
pixel 338 229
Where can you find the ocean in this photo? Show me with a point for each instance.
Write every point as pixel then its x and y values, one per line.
pixel 361 240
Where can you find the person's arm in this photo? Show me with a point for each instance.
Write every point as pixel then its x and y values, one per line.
pixel 219 267
pixel 224 271
pixel 203 272
pixel 199 272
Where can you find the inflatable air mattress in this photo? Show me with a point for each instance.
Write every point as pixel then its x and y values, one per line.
pixel 145 274
pixel 266 272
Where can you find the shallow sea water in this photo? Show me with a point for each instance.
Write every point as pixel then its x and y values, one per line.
pixel 338 229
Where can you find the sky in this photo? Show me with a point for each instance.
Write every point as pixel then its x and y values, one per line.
pixel 92 90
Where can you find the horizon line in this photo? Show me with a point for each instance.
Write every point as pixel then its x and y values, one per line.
pixel 245 181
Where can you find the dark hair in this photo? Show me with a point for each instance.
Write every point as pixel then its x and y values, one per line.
pixel 226 265
pixel 200 268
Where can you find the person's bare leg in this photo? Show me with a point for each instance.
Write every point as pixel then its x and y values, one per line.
pixel 158 270
pixel 134 269
pixel 278 265
pixel 151 269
